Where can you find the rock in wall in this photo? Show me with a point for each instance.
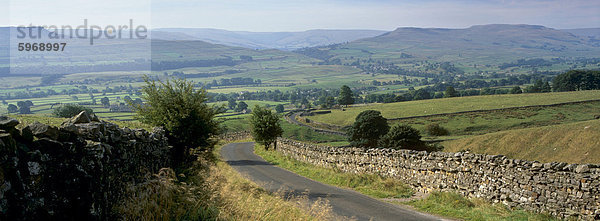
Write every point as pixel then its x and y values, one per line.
pixel 560 189
pixel 77 171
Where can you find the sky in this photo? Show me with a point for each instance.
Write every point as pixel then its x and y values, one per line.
pixel 287 15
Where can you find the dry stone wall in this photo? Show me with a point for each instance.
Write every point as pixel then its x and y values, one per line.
pixel 560 189
pixel 77 171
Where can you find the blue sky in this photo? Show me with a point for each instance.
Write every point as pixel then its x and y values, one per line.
pixel 283 15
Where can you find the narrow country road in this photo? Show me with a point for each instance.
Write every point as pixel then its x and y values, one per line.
pixel 344 202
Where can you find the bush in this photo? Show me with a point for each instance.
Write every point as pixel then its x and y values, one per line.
pixel 403 137
pixel 70 110
pixel 182 111
pixel 436 130
pixel 368 127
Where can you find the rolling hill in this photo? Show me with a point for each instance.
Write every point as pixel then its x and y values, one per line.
pixel 263 40
pixel 481 44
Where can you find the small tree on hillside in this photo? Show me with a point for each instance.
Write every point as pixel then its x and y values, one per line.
pixel 241 106
pixel 346 96
pixel 279 108
pixel 403 137
pixel 368 127
pixel 12 108
pixel 450 92
pixel 70 110
pixel 516 90
pixel 182 111
pixel 265 127
pixel 105 101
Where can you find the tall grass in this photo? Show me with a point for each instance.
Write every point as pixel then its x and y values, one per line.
pixel 241 199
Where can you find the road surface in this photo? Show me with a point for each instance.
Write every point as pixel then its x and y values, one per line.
pixel 344 202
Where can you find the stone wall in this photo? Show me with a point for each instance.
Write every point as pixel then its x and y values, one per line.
pixel 560 189
pixel 229 137
pixel 77 171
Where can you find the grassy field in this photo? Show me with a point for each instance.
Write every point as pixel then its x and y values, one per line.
pixel 468 124
pixel 573 143
pixel 449 105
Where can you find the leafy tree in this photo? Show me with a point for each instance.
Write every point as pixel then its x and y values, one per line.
pixel 279 108
pixel 105 101
pixel 516 90
pixel 403 137
pixel 422 94
pixel 25 107
pixel 577 80
pixel 450 92
pixel 231 104
pixel 435 129
pixel 12 108
pixel 265 127
pixel 329 101
pixel 368 127
pixel 127 99
pixel 182 111
pixel 241 106
pixel 346 96
pixel 70 110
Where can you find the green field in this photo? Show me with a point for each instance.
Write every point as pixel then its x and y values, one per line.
pixel 468 124
pixel 449 105
pixel 573 143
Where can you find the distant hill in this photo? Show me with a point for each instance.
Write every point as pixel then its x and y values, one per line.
pixel 585 32
pixel 262 40
pixel 488 44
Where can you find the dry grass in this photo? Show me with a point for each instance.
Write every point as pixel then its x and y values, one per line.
pixel 241 199
pixel 571 143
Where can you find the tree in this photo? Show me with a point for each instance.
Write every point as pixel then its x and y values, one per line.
pixel 24 107
pixel 422 94
pixel 574 80
pixel 516 90
pixel 450 92
pixel 346 96
pixel 368 127
pixel 265 127
pixel 435 129
pixel 241 106
pixel 182 111
pixel 329 101
pixel 70 110
pixel 105 101
pixel 231 104
pixel 127 99
pixel 403 137
pixel 12 108
pixel 279 108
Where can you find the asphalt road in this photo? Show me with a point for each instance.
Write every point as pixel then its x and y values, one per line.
pixel 344 202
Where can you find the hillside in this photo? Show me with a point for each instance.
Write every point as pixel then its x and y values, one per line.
pixel 263 40
pixel 456 104
pixel 573 143
pixel 481 44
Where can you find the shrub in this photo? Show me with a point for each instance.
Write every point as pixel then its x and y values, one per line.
pixel 70 110
pixel 182 111
pixel 435 129
pixel 403 137
pixel 368 127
